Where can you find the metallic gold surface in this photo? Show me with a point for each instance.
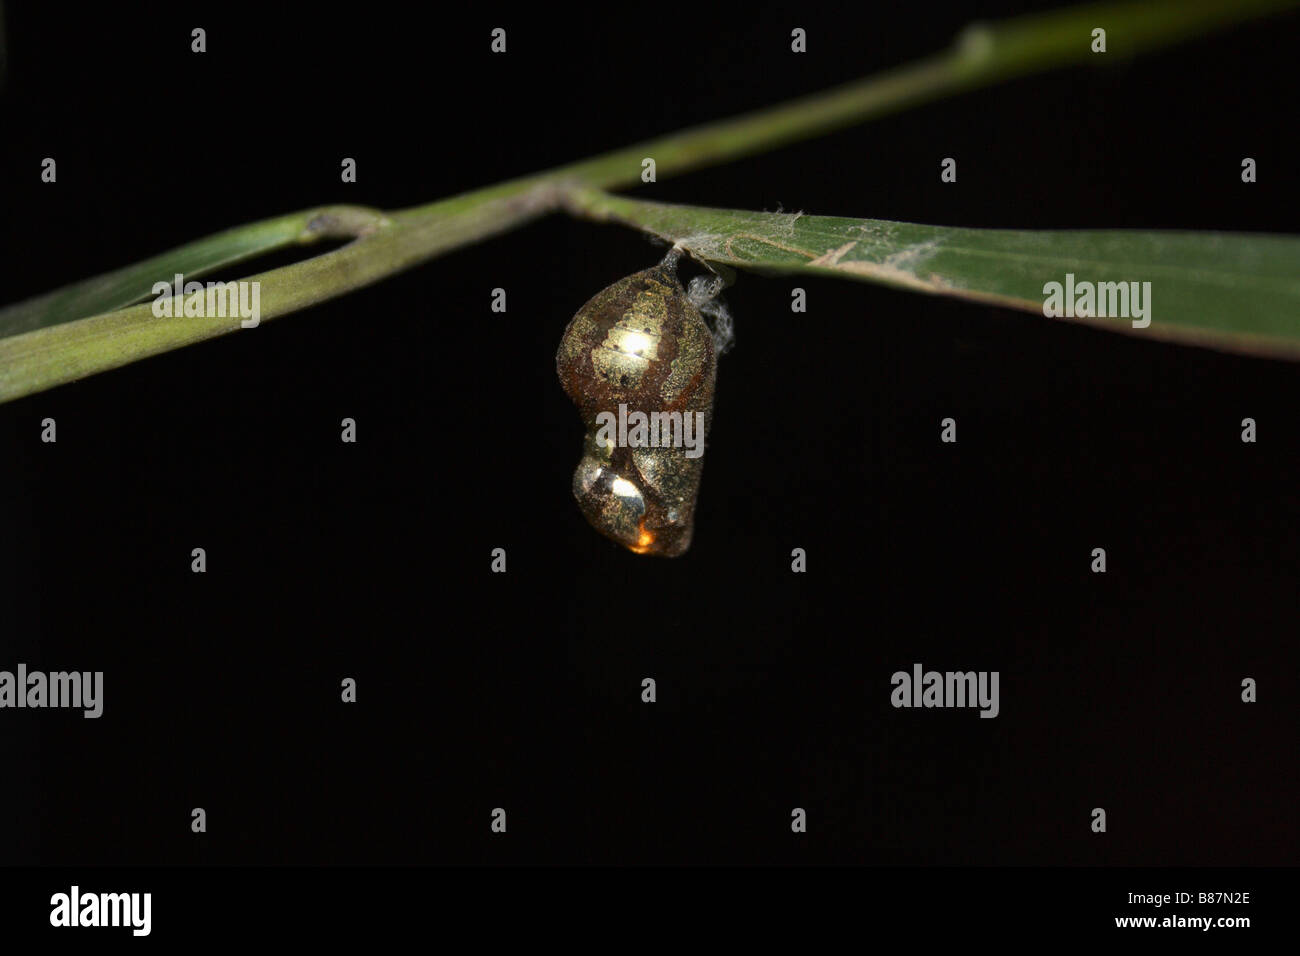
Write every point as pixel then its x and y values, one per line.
pixel 643 345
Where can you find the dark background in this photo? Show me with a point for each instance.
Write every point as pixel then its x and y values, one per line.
pixel 522 690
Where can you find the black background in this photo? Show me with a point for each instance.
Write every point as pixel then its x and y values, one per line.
pixel 522 690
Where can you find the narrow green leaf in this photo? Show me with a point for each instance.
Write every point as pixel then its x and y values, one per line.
pixel 1237 292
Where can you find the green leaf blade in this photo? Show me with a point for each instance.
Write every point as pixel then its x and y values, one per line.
pixel 1236 292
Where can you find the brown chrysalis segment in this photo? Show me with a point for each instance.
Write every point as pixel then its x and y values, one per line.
pixel 640 346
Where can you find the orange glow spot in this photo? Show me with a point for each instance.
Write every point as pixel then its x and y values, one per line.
pixel 644 539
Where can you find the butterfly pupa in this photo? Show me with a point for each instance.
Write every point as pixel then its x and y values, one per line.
pixel 639 361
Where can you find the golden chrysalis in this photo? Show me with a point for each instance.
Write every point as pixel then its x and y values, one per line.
pixel 639 361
